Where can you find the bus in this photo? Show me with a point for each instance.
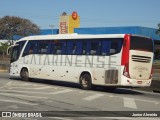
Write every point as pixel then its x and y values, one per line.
pixel 111 60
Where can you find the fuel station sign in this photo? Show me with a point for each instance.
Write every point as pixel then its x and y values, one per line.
pixel 67 23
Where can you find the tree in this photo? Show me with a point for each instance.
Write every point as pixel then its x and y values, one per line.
pixel 158 30
pixel 3 48
pixel 11 26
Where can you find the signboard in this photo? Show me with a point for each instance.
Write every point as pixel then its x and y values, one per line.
pixel 74 15
pixel 67 23
pixel 63 28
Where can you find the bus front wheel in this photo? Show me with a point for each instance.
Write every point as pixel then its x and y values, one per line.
pixel 85 81
pixel 24 74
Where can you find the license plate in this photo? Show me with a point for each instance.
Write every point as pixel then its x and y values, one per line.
pixel 139 82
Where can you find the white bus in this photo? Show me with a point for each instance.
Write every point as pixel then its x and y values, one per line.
pixel 107 60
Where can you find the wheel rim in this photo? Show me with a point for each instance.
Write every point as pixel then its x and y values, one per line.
pixel 24 75
pixel 84 82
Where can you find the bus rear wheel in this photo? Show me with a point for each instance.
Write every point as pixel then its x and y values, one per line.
pixel 85 81
pixel 24 74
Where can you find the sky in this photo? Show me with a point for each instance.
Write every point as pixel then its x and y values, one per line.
pixel 93 13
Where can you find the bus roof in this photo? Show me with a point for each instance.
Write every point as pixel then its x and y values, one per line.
pixel 75 36
pixel 71 36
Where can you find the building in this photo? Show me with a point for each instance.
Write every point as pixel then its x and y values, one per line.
pixel 144 31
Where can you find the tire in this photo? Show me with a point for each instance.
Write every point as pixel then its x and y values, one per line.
pixel 85 82
pixel 24 74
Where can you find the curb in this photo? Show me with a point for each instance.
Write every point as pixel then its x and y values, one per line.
pixel 3 70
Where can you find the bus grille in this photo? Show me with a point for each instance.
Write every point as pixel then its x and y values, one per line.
pixel 138 58
pixel 111 76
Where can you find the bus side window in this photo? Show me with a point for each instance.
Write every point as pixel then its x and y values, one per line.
pixel 63 48
pixel 30 48
pixel 106 45
pixel 120 43
pixel 74 48
pixel 91 47
pixel 59 47
pixel 21 44
pixel 116 45
pixel 77 48
pixel 51 47
pixel 84 47
pixel 69 47
pixel 43 47
pixel 95 47
pixel 87 47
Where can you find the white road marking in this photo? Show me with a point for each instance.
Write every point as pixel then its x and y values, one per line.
pixel 44 87
pixel 129 103
pixel 13 106
pixel 7 84
pixel 38 88
pixel 12 85
pixel 22 84
pixel 63 91
pixel 119 96
pixel 147 101
pixel 21 95
pixel 93 97
pixel 19 102
pixel 52 93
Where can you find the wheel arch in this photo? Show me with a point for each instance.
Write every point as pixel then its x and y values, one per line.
pixel 24 68
pixel 86 72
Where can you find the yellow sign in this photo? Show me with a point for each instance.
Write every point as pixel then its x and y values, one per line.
pixel 67 23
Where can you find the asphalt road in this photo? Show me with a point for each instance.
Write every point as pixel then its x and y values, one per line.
pixel 73 102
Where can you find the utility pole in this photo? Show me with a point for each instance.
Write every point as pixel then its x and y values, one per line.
pixel 52 26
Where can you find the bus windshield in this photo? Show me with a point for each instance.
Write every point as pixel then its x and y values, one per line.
pixel 15 50
pixel 141 43
pixel 15 53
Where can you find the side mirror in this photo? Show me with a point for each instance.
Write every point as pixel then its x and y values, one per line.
pixel 9 50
